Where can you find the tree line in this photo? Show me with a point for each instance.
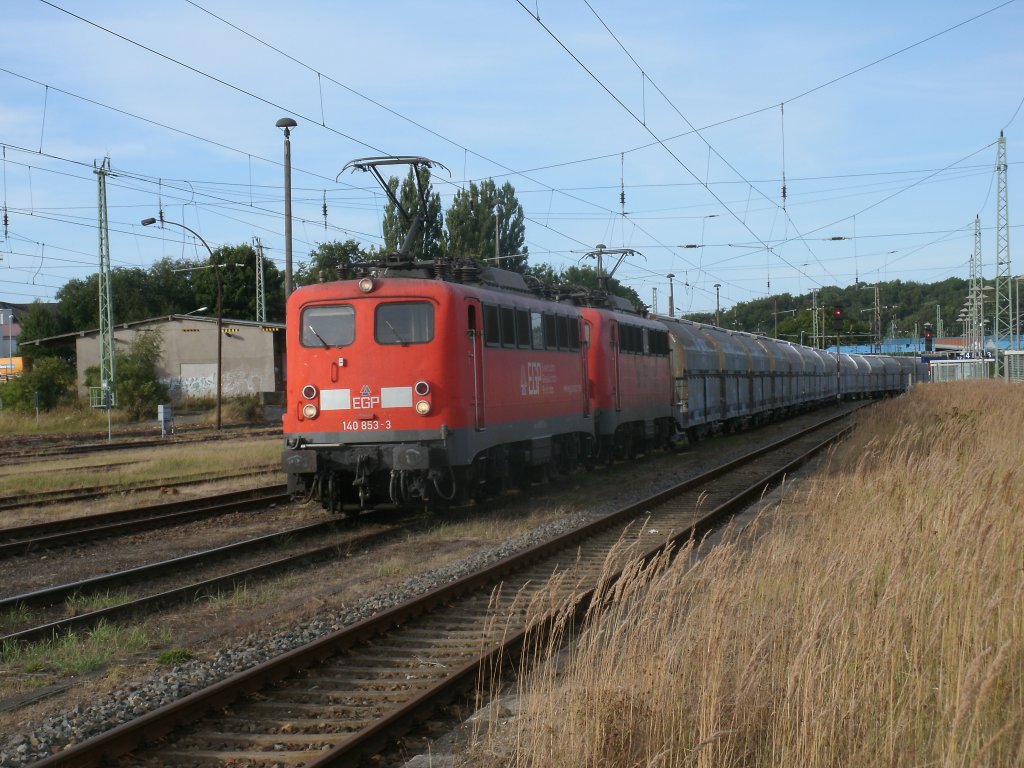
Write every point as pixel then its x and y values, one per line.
pixel 907 306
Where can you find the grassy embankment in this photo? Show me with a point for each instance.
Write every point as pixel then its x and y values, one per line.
pixel 877 621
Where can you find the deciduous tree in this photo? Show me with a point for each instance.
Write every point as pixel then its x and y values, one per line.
pixel 330 261
pixel 481 213
pixel 429 241
pixel 38 323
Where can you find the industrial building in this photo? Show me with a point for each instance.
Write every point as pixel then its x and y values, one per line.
pixel 252 354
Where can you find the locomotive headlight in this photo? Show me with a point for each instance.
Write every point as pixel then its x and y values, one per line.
pixel 422 407
pixel 310 411
pixel 366 284
pixel 422 388
pixel 309 391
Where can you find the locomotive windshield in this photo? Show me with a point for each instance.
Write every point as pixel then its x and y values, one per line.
pixel 404 323
pixel 328 326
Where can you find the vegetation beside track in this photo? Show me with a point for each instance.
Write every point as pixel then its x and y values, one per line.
pixel 77 419
pixel 875 622
pixel 147 465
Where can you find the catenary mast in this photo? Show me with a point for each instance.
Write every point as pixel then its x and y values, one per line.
pixel 107 364
pixel 1003 322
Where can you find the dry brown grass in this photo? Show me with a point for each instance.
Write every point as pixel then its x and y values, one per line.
pixel 877 622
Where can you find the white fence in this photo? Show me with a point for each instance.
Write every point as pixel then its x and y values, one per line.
pixel 957 370
pixel 1014 366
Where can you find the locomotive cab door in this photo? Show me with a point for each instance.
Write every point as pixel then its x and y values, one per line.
pixel 585 364
pixel 475 335
pixel 613 337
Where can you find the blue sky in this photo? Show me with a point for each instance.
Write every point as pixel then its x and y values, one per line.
pixel 886 138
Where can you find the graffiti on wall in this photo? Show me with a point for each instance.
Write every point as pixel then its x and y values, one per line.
pixel 200 380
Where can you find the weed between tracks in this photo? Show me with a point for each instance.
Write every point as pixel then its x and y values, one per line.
pixel 15 618
pixel 71 654
pixel 21 616
pixel 77 603
pixel 877 621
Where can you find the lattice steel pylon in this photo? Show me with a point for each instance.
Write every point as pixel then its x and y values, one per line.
pixel 815 327
pixel 261 297
pixel 876 325
pixel 975 313
pixel 1002 325
pixel 107 362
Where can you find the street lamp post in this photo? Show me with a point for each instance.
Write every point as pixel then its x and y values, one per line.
pixel 718 313
pixel 220 307
pixel 287 124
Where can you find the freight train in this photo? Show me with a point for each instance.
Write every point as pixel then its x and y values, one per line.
pixel 407 385
pixel 433 382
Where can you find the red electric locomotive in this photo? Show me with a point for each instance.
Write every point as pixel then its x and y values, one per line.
pixel 402 387
pixel 631 380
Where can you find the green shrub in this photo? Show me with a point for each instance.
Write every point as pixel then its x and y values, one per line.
pixel 139 390
pixel 50 377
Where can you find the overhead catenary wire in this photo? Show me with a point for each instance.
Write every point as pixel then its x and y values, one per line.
pixel 382 106
pixel 659 140
pixel 550 192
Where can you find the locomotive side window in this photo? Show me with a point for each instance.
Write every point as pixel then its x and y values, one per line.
pixel 629 336
pixel 659 342
pixel 574 334
pixel 526 329
pixel 523 330
pixel 508 326
pixel 562 330
pixel 492 332
pixel 550 337
pixel 328 326
pixel 404 323
pixel 537 329
pixel 642 341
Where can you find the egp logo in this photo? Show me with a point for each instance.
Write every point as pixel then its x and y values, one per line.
pixel 364 399
pixel 529 379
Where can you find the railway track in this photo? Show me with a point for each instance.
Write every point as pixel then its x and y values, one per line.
pixel 140 599
pixel 352 692
pixel 21 450
pixel 85 493
pixel 33 538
